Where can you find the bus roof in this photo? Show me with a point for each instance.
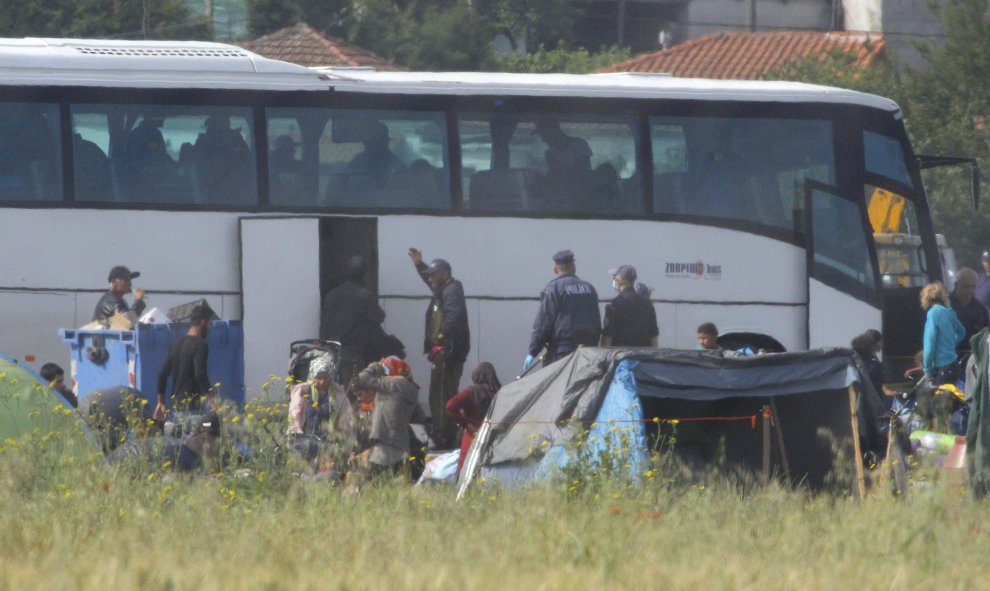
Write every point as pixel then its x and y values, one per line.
pixel 200 64
pixel 620 85
pixel 147 64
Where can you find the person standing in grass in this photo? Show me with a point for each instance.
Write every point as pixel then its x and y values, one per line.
pixel 447 342
pixel 395 402
pixel 186 364
pixel 943 331
pixel 630 320
pixel 568 317
pixel 470 406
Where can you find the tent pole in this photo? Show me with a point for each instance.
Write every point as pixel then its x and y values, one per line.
pixel 765 476
pixel 780 440
pixel 857 450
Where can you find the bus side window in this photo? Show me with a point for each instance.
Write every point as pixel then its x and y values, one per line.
pixel 383 159
pixel 30 155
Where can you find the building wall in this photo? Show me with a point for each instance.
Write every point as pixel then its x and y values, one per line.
pixel 862 15
pixel 906 22
pixel 711 16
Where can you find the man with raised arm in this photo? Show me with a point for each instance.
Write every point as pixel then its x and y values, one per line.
pixel 447 342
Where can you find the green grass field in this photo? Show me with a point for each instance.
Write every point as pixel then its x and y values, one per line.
pixel 69 521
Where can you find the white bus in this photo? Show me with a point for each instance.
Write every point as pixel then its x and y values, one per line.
pixel 740 203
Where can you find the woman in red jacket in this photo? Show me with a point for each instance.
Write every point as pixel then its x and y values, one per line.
pixel 469 407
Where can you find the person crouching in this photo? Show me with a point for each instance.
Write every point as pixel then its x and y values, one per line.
pixel 396 397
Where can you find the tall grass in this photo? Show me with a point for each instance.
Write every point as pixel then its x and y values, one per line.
pixel 89 525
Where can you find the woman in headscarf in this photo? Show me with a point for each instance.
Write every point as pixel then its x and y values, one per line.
pixel 319 412
pixel 395 402
pixel 469 407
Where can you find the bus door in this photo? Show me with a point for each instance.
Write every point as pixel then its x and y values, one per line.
pixel 287 265
pixel 843 287
pixel 280 295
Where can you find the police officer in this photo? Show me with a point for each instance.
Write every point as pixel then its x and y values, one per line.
pixel 630 320
pixel 568 316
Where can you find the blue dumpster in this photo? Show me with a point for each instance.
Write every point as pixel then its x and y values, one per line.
pixel 108 358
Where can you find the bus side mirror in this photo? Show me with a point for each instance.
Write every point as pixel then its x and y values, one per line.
pixel 974 172
pixel 925 162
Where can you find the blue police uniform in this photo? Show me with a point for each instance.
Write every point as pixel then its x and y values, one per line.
pixel 568 318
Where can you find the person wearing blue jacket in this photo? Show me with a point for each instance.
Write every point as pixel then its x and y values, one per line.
pixel 943 331
pixel 568 317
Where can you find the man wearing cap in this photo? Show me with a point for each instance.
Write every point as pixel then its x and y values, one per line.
pixel 983 281
pixel 351 316
pixel 568 315
pixel 113 300
pixel 447 342
pixel 630 320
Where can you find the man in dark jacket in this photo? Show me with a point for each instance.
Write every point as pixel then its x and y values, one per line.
pixel 113 300
pixel 630 320
pixel 568 316
pixel 970 311
pixel 352 317
pixel 447 342
pixel 186 364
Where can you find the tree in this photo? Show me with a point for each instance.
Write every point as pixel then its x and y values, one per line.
pixel 268 16
pixel 25 18
pixel 166 19
pixel 569 61
pixel 843 69
pixel 423 34
pixel 531 23
pixel 331 17
pixel 950 115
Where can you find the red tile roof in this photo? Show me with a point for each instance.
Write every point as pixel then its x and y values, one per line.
pixel 304 45
pixel 747 56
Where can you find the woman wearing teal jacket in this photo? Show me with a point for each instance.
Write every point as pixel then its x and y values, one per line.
pixel 943 331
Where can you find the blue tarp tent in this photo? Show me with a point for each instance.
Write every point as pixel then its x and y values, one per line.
pixel 614 400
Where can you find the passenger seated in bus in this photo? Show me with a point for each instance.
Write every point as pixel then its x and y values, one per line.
pixel 720 188
pixel 283 167
pixel 223 161
pixel 92 170
pixel 565 154
pixel 282 159
pixel 143 164
pixel 376 157
pixel 568 161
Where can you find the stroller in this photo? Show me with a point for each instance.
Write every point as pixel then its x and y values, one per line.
pixel 302 353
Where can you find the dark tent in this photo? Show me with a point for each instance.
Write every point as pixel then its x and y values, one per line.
pixel 729 402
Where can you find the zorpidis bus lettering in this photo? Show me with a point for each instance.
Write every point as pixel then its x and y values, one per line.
pixel 697 270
